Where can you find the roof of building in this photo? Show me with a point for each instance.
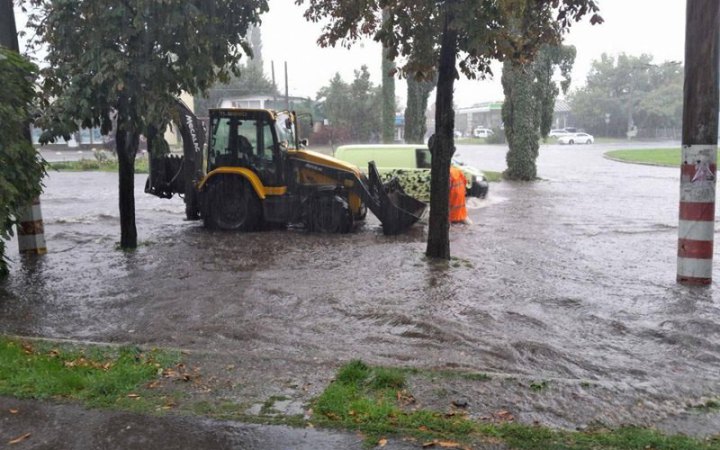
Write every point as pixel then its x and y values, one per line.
pixel 561 105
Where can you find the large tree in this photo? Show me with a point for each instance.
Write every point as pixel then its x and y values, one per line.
pixel 629 91
pixel 352 108
pixel 530 94
pixel 126 62
pixel 475 31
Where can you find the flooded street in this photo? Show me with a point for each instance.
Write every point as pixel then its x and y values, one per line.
pixel 569 281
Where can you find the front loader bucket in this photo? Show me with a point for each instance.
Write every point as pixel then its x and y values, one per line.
pixel 396 210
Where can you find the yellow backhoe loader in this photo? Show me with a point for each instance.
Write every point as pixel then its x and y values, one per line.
pixel 255 170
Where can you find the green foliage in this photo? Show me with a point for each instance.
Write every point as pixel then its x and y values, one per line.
pixel 632 90
pixel 135 57
pixel 486 30
pixel 98 376
pixel 670 157
pixel 352 109
pixel 91 165
pixel 21 169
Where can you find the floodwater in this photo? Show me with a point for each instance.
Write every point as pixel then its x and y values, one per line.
pixel 569 280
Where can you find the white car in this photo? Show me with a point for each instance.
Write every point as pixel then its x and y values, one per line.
pixel 558 133
pixel 482 132
pixel 576 138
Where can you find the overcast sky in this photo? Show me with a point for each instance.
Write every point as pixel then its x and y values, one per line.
pixel 656 27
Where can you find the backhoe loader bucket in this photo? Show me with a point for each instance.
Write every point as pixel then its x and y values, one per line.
pixel 396 210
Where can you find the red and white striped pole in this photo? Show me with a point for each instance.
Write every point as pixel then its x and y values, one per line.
pixel 30 230
pixel 699 138
pixel 697 214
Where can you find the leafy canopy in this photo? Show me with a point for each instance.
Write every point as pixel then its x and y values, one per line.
pixel 487 30
pixel 352 108
pixel 135 57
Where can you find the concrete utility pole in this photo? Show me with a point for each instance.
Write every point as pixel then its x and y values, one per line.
pixel 699 143
pixel 30 230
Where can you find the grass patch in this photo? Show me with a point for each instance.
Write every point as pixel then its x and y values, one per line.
pixel 93 165
pixel 670 157
pixel 371 400
pixel 713 404
pixel 471 141
pixel 538 386
pixel 97 376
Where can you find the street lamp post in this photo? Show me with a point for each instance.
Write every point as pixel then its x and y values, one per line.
pixel 607 123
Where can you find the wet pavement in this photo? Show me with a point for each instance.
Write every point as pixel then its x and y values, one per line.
pixel 567 283
pixel 127 431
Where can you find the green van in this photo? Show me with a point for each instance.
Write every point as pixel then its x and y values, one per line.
pixel 410 164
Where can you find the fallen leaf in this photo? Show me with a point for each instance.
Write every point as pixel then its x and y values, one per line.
pixel 443 444
pixel 448 444
pixel 19 439
pixel 382 442
pixel 14 411
pixel 133 396
pixel 27 348
pixel 422 428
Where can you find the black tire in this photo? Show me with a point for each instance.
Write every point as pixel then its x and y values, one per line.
pixel 362 212
pixel 571 142
pixel 233 205
pixel 329 213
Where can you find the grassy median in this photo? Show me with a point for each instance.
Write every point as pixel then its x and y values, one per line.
pixel 669 157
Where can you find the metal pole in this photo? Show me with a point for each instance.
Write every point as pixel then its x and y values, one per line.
pixel 275 89
pixel 287 96
pixel 699 143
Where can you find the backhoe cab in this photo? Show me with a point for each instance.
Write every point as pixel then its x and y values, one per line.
pixel 255 171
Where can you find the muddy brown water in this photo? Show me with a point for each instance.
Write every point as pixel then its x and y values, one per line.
pixel 568 281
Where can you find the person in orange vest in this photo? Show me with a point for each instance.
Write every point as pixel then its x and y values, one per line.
pixel 458 211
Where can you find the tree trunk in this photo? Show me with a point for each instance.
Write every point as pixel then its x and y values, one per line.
pixel 388 95
pixel 417 101
pixel 127 145
pixel 521 123
pixel 8 31
pixel 442 147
